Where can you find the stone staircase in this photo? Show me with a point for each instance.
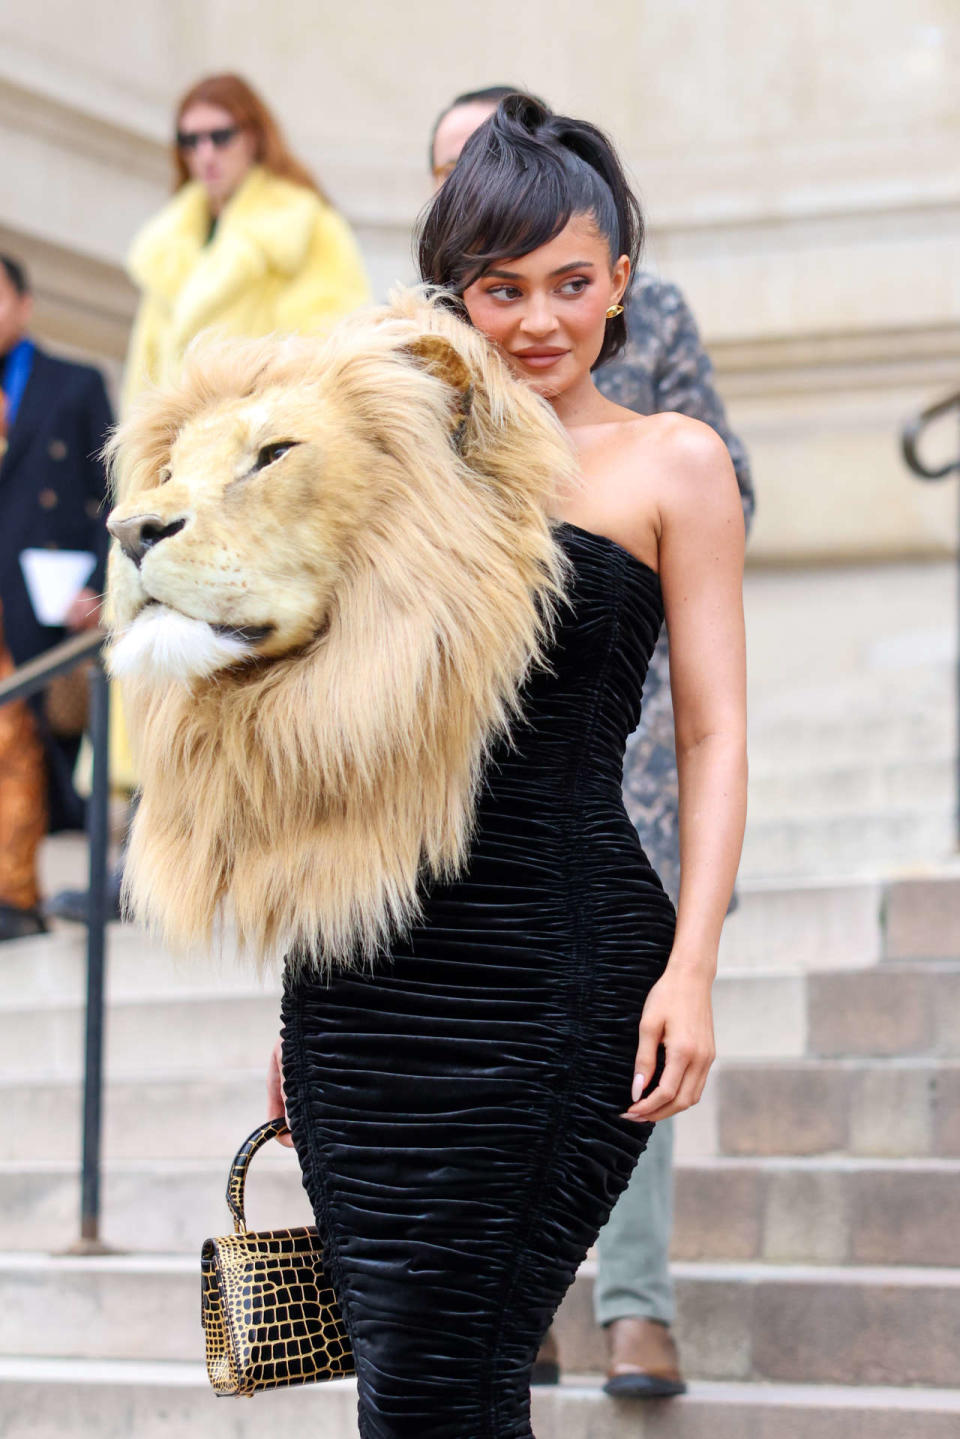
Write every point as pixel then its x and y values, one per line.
pixel 851 707
pixel 818 1185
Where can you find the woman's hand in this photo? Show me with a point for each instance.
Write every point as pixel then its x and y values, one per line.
pixel 677 1015
pixel 276 1099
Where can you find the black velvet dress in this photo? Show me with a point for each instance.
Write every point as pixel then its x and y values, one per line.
pixel 456 1112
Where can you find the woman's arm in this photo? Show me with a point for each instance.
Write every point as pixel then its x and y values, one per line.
pixel 701 545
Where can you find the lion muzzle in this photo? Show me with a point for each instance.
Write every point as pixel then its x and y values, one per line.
pixel 161 645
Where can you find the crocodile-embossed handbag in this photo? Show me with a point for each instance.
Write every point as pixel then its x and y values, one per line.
pixel 269 1312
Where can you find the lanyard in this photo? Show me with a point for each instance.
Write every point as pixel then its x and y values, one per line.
pixel 15 376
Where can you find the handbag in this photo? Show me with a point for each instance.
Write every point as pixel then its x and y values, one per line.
pixel 66 702
pixel 269 1313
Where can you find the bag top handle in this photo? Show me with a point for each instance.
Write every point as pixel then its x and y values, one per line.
pixel 241 1163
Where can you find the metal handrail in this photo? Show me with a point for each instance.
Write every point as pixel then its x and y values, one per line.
pixel 28 680
pixel 913 430
pixel 910 439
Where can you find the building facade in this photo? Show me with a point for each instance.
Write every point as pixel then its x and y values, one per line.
pixel 797 165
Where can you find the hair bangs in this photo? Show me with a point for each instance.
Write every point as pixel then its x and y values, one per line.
pixel 525 207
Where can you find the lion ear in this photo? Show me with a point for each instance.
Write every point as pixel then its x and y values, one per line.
pixel 435 354
pixel 440 358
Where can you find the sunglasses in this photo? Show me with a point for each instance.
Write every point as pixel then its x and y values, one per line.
pixel 219 139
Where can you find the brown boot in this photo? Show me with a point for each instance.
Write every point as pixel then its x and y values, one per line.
pixel 546 1366
pixel 23 812
pixel 642 1361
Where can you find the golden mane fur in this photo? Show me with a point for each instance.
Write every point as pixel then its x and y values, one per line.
pixel 404 562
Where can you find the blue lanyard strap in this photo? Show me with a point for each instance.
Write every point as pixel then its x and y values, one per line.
pixel 16 373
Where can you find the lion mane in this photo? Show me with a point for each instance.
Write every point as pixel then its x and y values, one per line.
pixel 380 608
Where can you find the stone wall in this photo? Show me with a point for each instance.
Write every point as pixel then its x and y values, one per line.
pixel 797 163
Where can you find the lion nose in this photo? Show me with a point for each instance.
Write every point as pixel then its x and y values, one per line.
pixel 142 532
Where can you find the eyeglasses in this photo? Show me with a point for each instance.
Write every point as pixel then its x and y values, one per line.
pixel 443 172
pixel 219 139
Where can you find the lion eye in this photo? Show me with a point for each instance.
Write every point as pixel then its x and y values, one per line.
pixel 269 453
pixel 165 475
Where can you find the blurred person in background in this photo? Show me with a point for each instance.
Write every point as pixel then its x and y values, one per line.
pixel 664 367
pixel 54 418
pixel 249 244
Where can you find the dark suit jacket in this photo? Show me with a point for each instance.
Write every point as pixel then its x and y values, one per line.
pixel 52 487
pixel 52 496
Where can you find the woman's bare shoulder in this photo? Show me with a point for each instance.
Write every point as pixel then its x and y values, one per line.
pixel 649 473
pixel 677 439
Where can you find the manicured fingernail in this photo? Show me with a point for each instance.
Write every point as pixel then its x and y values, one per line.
pixel 637 1087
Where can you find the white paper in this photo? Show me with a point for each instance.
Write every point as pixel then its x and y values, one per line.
pixel 53 579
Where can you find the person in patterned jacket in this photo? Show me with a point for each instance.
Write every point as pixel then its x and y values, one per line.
pixel 664 368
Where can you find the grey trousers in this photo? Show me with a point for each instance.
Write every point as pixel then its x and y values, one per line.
pixel 633 1269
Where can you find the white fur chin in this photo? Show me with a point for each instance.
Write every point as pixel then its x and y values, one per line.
pixel 162 645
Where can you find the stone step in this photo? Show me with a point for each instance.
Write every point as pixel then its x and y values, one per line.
pixel 147 1205
pixel 887 1108
pixel 865 787
pixel 797 1324
pixel 63 862
pixel 185 1116
pixel 807 924
pixel 150 1034
pixel 893 1009
pixel 818 1211
pixel 849 844
pixel 870 736
pixel 781 1324
pixel 117 1399
pixel 922 917
pixel 51 968
pixel 889 1010
pixel 799 1211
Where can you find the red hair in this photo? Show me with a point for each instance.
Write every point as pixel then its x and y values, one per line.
pixel 244 105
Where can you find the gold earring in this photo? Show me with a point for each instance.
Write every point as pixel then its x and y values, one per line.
pixel 614 311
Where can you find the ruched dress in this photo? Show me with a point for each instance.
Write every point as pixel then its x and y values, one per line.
pixel 456 1111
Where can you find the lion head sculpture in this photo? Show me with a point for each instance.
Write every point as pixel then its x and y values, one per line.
pixel 334 568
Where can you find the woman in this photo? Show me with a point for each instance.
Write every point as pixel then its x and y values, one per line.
pixel 467 1114
pixel 248 242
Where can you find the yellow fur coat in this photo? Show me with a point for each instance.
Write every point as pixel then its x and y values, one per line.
pixel 281 259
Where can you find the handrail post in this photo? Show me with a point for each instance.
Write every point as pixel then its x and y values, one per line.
pixel 910 438
pixel 29 679
pixel 97 831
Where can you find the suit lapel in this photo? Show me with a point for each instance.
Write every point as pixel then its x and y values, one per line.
pixel 34 405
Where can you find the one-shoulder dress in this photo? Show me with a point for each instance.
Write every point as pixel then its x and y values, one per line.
pixel 456 1111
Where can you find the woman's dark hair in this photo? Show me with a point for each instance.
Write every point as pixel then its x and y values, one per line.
pixel 521 177
pixel 16 274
